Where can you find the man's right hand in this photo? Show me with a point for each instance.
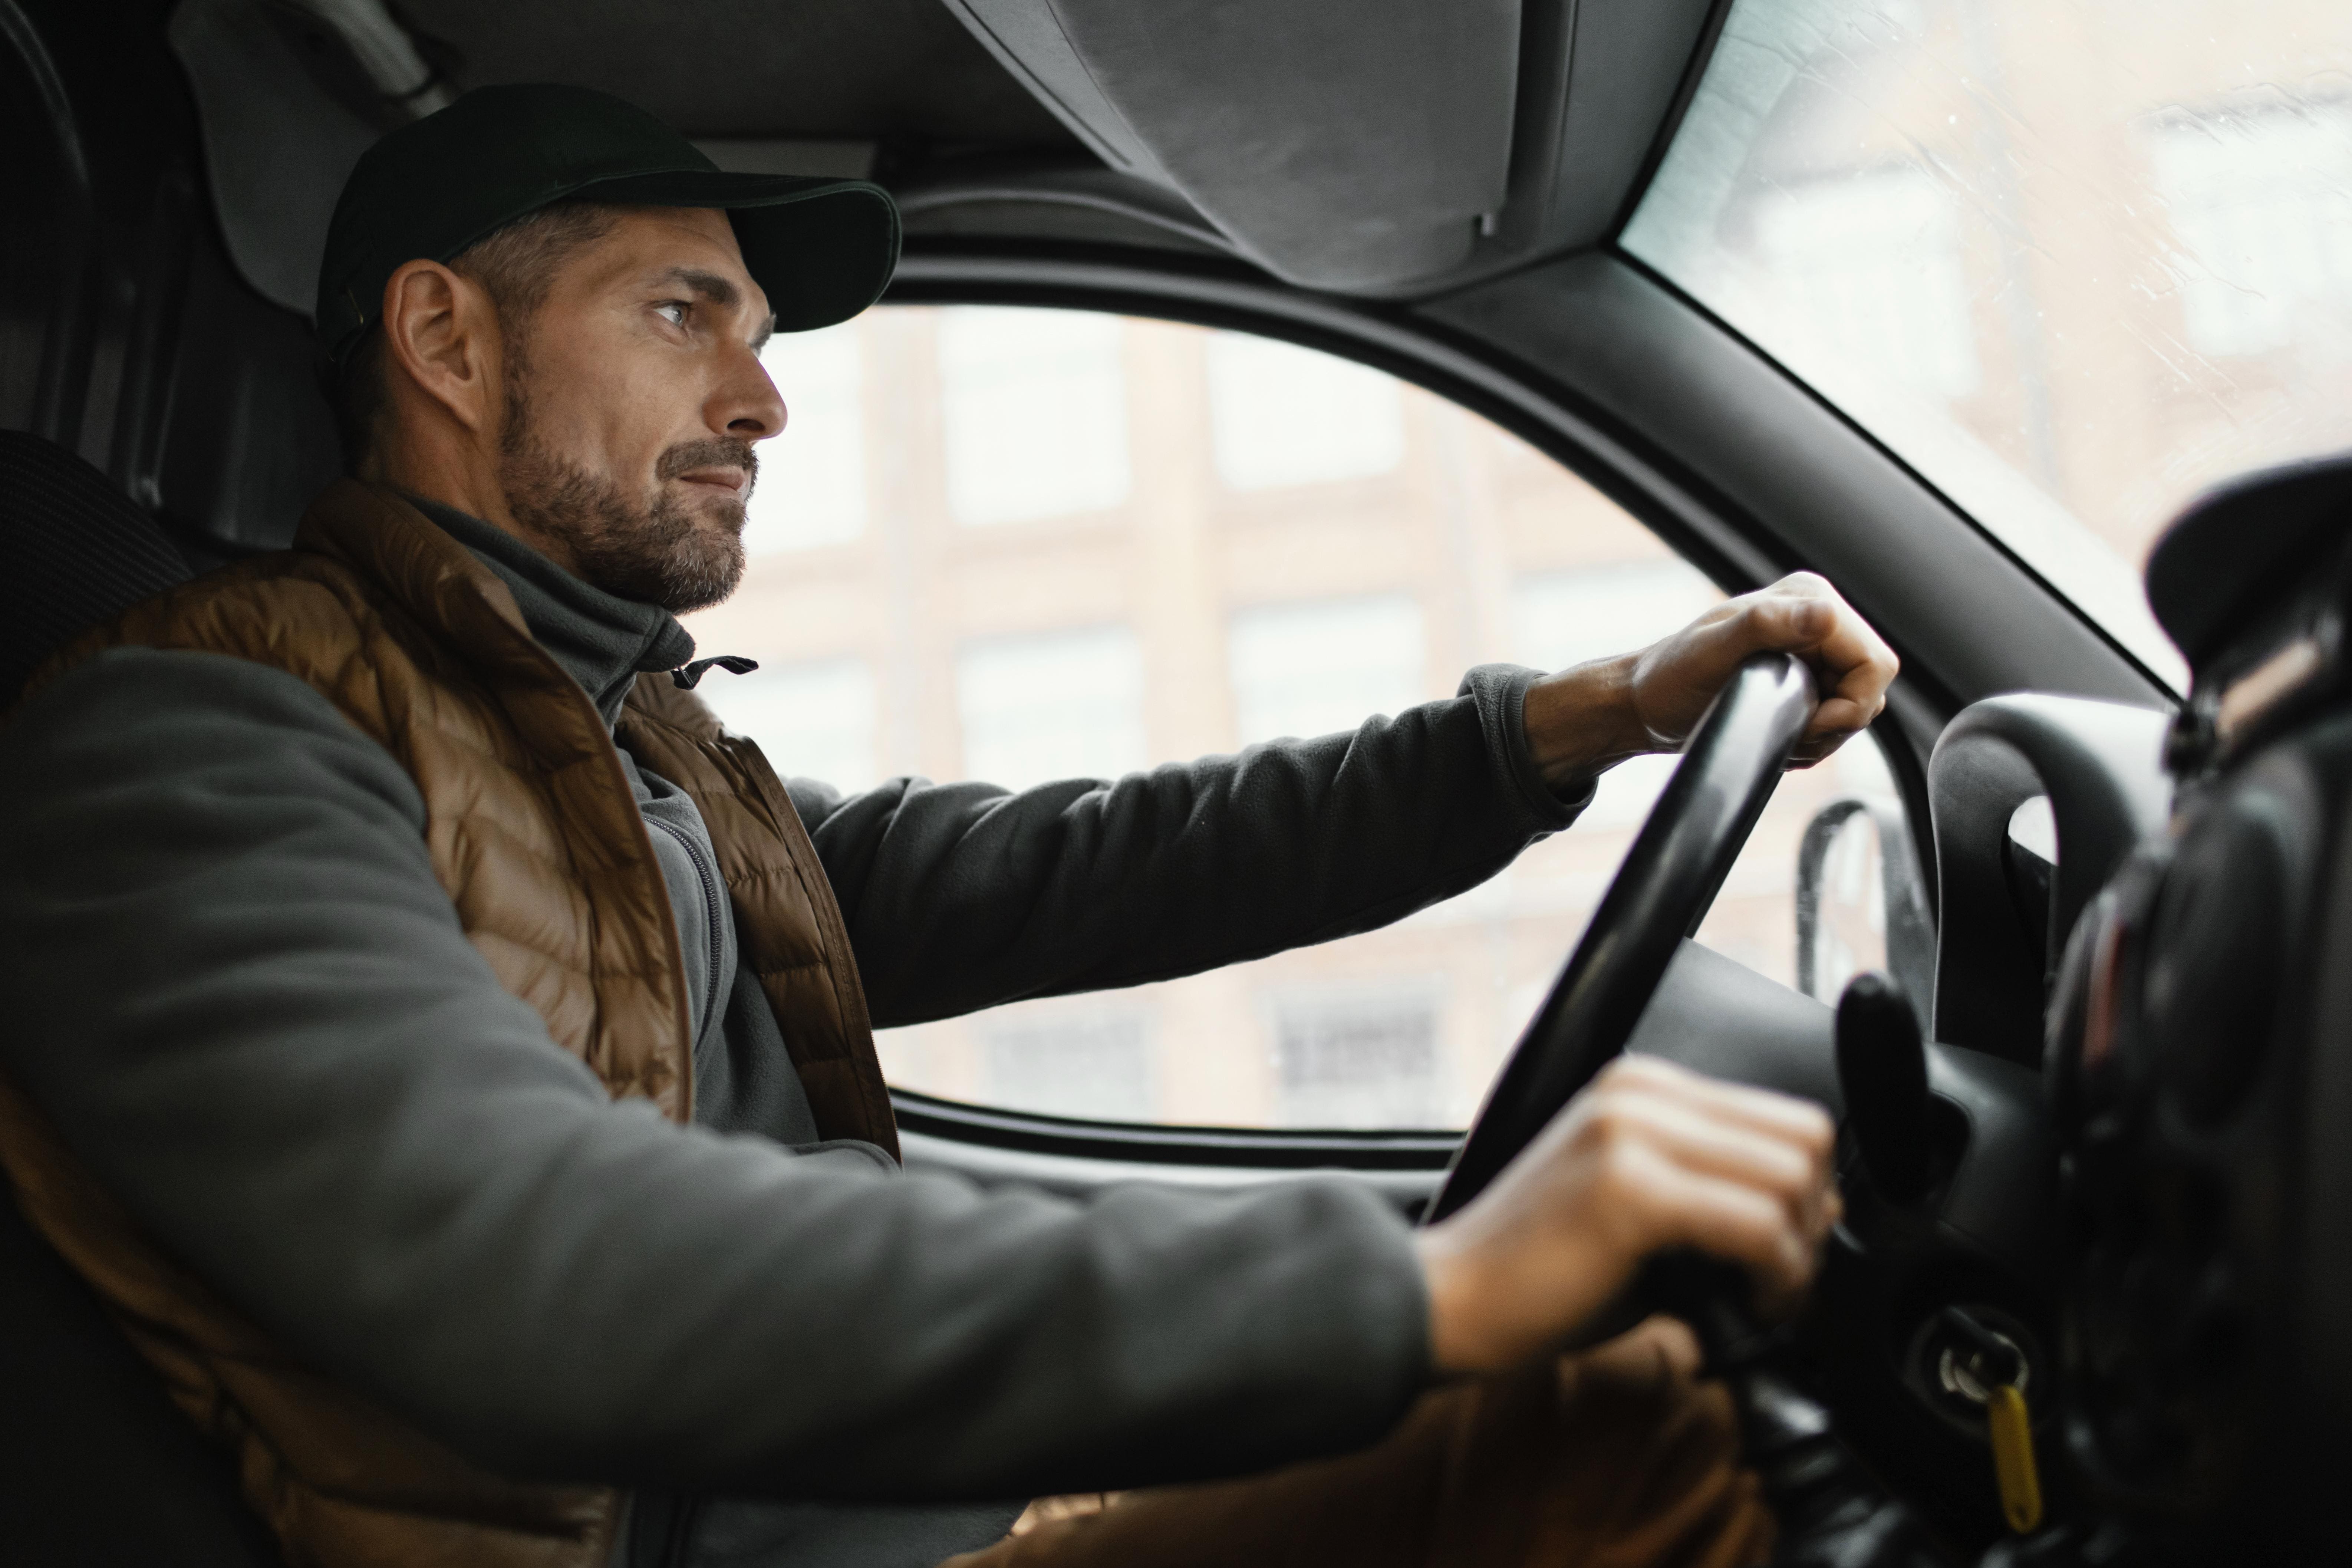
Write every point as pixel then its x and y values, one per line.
pixel 1648 1158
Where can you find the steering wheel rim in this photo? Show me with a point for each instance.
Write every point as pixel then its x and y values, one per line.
pixel 1660 893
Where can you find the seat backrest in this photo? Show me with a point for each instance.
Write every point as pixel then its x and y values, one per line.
pixel 74 551
pixel 95 1465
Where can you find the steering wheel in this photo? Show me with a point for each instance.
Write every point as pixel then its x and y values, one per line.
pixel 1829 1507
pixel 1661 892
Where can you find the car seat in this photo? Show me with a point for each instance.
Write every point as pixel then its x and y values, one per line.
pixel 96 1467
pixel 74 551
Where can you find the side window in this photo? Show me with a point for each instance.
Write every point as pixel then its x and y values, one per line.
pixel 1023 544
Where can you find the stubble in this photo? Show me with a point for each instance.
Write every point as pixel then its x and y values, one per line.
pixel 646 545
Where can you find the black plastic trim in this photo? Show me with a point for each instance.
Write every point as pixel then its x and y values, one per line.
pixel 1239 1146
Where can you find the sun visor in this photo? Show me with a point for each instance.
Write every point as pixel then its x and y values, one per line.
pixel 277 142
pixel 1343 147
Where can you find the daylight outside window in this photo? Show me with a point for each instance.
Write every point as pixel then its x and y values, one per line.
pixel 816 489
pixel 2074 261
pixel 1087 544
pixel 1033 406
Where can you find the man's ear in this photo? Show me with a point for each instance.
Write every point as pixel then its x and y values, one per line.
pixel 441 337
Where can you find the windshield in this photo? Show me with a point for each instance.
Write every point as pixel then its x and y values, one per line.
pixel 2073 260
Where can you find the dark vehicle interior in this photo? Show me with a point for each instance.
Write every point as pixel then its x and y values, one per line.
pixel 2114 1180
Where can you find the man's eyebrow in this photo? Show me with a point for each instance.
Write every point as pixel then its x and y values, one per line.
pixel 720 290
pixel 710 286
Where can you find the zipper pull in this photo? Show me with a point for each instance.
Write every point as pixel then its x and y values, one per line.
pixel 686 677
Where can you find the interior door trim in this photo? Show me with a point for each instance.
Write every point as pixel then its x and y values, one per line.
pixel 1259 1149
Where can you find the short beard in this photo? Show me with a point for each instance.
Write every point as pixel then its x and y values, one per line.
pixel 648 548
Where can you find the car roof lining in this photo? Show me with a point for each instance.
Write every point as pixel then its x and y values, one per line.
pixel 1418 160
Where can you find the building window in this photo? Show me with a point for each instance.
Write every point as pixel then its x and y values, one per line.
pixel 1354 1058
pixel 1060 705
pixel 1324 666
pixel 1094 1064
pixel 812 485
pixel 2262 205
pixel 1871 265
pixel 1281 415
pixel 1035 404
pixel 812 720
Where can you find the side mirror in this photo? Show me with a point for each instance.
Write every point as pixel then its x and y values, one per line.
pixel 1861 904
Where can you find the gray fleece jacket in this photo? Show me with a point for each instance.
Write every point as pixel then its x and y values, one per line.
pixel 236 988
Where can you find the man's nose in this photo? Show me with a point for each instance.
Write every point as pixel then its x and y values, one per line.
pixel 747 407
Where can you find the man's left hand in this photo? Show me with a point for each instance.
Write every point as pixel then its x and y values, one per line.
pixel 1584 719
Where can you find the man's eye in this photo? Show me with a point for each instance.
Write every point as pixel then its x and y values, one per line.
pixel 673 310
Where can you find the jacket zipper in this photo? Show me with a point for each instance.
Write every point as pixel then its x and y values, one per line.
pixel 715 911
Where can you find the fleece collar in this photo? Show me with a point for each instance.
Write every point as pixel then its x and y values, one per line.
pixel 604 641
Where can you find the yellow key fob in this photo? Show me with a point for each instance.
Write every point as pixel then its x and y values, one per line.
pixel 2010 1425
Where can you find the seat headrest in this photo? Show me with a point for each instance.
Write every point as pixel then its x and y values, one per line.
pixel 74 551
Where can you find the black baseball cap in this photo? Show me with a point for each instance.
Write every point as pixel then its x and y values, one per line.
pixel 820 248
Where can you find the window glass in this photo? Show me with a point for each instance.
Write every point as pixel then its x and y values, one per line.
pixel 1192 614
pixel 812 489
pixel 1054 705
pixel 1561 618
pixel 1873 265
pixel 1312 667
pixel 814 721
pixel 1036 408
pixel 1286 415
pixel 2263 195
pixel 1093 1062
pixel 2073 260
pixel 1361 1055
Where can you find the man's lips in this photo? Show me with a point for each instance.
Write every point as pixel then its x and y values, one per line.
pixel 728 477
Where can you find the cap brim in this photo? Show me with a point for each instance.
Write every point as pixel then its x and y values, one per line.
pixel 822 249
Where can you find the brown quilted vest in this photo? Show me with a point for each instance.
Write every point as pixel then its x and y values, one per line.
pixel 533 832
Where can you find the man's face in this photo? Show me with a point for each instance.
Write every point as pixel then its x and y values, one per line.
pixel 632 399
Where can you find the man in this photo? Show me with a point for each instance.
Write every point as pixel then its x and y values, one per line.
pixel 477 1123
